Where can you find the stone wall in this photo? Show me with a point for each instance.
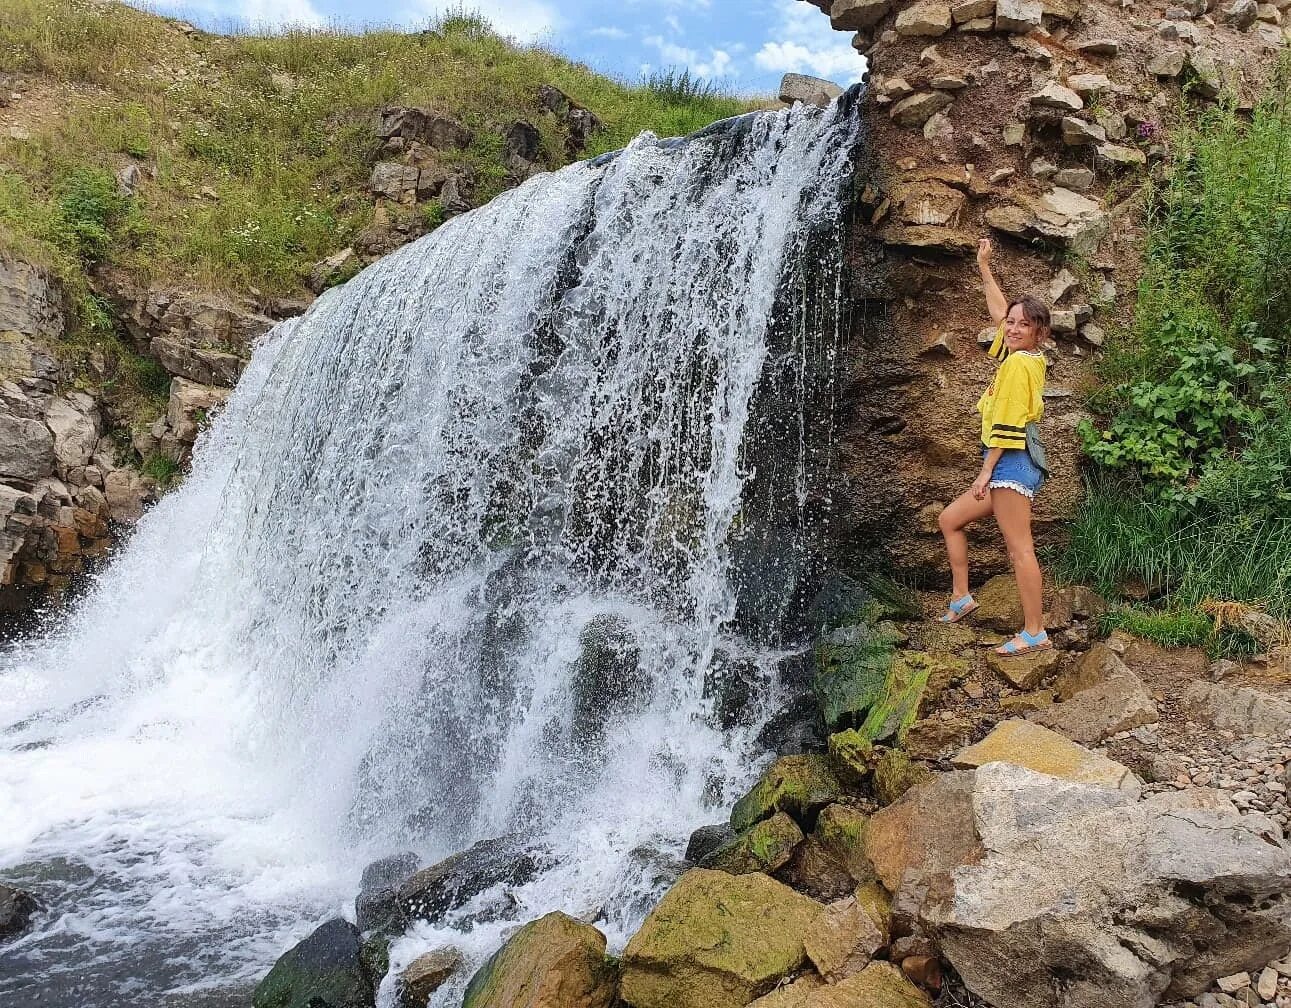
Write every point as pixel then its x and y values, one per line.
pixel 1033 122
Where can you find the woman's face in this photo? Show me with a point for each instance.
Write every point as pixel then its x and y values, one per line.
pixel 1020 333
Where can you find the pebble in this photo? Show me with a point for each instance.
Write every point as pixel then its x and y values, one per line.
pixel 1267 986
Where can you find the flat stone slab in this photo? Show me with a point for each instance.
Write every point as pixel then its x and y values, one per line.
pixel 1035 747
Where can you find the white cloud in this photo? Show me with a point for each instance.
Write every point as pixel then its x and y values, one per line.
pixel 716 64
pixel 523 20
pixel 804 42
pixel 280 12
pixel 609 32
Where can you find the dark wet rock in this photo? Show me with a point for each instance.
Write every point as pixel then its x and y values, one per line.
pixel 323 971
pixel 433 892
pixel 797 727
pixel 522 149
pixel 707 839
pixel 607 679
pixel 735 687
pixel 16 911
pixel 377 907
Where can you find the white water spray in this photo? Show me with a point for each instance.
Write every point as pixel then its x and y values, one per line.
pixel 361 625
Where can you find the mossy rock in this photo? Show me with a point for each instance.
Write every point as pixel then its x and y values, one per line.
pixel 323 971
pixel 896 774
pixel 840 832
pixel 878 904
pixel 879 985
pixel 799 785
pixel 716 941
pixel 764 847
pixel 851 677
pixel 552 961
pixel 851 756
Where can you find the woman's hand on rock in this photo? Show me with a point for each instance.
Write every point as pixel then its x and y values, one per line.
pixel 984 252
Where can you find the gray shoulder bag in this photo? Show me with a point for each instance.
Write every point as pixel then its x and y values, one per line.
pixel 1035 447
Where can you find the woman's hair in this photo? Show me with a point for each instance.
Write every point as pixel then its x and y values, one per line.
pixel 1035 311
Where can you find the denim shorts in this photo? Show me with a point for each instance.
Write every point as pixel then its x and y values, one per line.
pixel 1016 471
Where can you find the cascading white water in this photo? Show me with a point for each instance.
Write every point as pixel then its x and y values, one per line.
pixel 361 625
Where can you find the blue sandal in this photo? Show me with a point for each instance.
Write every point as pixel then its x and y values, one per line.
pixel 1040 642
pixel 958 609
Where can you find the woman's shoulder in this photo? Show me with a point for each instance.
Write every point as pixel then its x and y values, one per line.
pixel 1023 364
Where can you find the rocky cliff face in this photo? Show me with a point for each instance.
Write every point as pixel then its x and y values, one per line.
pixel 1034 122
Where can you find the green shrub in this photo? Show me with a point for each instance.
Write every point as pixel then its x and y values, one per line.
pixel 1205 364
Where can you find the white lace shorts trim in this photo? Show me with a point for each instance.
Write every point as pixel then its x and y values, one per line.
pixel 1026 492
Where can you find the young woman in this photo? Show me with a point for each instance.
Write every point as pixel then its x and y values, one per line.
pixel 1009 477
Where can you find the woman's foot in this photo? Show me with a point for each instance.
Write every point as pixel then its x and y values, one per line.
pixel 1025 643
pixel 958 609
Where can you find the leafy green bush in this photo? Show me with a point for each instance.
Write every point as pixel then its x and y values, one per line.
pixel 1205 365
pixel 90 208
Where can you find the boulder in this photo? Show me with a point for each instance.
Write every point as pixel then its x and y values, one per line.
pixel 1111 157
pixel 1238 709
pixel 924 18
pixel 1242 14
pixel 792 995
pixel 1202 63
pixel 74 421
pixel 1119 703
pixel 553 962
pixel 191 406
pixel 716 941
pixel 808 90
pixel 16 911
pixel 126 495
pixel 1054 96
pixel 1093 667
pixel 999 606
pixel 707 839
pixel 856 15
pixel 851 756
pixel 522 151
pixel 323 970
pixel 840 836
pixel 1022 877
pixel 1024 672
pixel 1107 47
pixel 970 10
pixel 31 301
pixel 894 775
pixel 766 847
pixel 1021 16
pixel 917 109
pixel 431 893
pixel 798 785
pixel 925 238
pixel 1167 64
pixel 377 906
pixel 425 975
pixel 26 449
pixel 607 679
pixel 842 940
pixel 924 830
pixel 1035 747
pixel 423 126
pixel 1078 133
pixel 879 985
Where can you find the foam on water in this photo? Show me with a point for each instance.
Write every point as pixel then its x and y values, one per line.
pixel 357 626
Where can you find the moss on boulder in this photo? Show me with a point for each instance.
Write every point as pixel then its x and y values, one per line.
pixel 766 846
pixel 840 832
pixel 851 756
pixel 799 785
pixel 716 941
pixel 323 971
pixel 553 962
pixel 896 774
pixel 879 985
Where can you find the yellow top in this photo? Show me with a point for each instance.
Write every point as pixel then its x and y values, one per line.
pixel 1014 398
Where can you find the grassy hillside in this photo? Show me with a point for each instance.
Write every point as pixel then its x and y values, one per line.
pixel 261 146
pixel 1190 493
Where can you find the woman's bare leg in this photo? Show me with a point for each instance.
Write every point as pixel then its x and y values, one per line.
pixel 957 516
pixel 1013 514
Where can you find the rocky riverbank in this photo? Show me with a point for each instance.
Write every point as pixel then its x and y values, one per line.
pixel 1099 825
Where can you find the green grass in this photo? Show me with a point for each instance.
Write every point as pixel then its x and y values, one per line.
pixel 1177 628
pixel 261 146
pixel 1190 490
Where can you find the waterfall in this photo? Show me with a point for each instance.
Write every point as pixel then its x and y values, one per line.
pixel 467 554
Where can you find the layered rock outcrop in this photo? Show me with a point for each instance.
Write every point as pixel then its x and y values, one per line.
pixel 1031 123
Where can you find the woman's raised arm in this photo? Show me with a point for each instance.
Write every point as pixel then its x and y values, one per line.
pixel 996 303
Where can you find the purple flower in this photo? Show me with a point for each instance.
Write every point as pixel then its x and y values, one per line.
pixel 1147 131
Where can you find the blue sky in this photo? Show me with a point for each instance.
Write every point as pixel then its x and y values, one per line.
pixel 747 44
